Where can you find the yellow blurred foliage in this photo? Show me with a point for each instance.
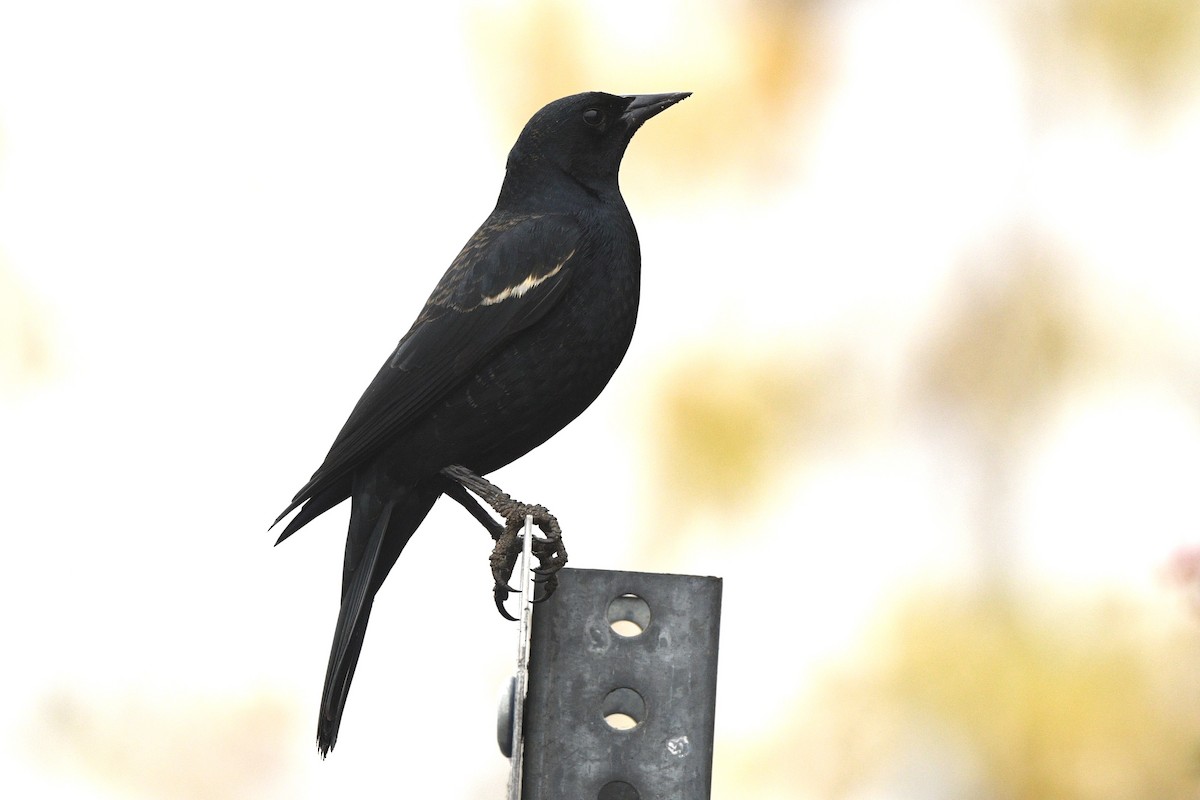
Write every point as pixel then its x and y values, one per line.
pixel 1093 703
pixel 24 342
pixel 724 424
pixel 991 696
pixel 1148 45
pixel 752 67
pixel 1009 347
pixel 147 747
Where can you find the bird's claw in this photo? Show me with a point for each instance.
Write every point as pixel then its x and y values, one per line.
pixel 547 588
pixel 551 556
pixel 501 593
pixel 549 551
pixel 504 559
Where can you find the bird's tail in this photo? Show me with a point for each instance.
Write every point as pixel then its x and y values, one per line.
pixel 382 520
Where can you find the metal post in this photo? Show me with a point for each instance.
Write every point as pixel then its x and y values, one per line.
pixel 622 688
pixel 512 709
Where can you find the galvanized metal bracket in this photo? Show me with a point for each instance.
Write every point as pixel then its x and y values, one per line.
pixel 511 718
pixel 622 688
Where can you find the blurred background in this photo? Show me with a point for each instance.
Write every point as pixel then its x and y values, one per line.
pixel 917 372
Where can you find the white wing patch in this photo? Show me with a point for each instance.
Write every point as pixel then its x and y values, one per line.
pixel 524 286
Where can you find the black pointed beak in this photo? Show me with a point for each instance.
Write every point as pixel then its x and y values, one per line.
pixel 644 106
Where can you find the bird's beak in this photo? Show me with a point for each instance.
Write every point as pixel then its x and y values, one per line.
pixel 644 106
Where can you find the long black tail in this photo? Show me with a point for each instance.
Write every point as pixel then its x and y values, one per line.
pixel 383 517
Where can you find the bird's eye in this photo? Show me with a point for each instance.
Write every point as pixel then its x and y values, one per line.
pixel 593 117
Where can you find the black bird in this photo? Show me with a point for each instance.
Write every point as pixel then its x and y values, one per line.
pixel 521 334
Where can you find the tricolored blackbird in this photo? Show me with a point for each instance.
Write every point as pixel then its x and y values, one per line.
pixel 520 335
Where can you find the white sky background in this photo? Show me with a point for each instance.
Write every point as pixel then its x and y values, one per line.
pixel 231 211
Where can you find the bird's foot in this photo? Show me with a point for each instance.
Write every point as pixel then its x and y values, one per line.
pixel 548 549
pixel 550 552
pixel 503 560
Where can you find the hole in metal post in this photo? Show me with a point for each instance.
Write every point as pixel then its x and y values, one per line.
pixel 623 709
pixel 618 790
pixel 620 722
pixel 628 615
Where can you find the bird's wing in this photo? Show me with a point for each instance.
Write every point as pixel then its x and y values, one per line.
pixel 509 274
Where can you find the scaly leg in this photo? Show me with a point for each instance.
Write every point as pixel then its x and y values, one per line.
pixel 550 551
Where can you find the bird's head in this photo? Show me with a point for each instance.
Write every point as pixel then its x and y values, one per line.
pixel 585 135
